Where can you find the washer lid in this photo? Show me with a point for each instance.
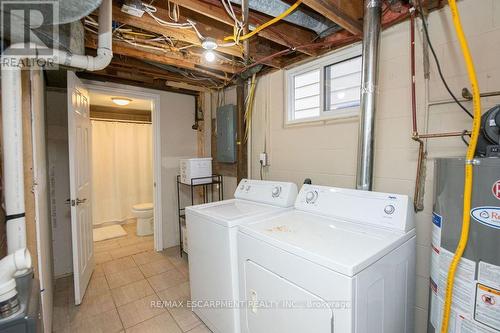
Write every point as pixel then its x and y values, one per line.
pixel 345 247
pixel 233 212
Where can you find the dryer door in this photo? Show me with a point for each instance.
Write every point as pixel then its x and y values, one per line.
pixel 277 305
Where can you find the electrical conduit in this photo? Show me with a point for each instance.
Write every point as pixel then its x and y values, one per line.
pixel 476 125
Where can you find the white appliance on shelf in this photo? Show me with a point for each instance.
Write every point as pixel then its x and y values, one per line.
pixel 212 234
pixel 342 261
pixel 196 168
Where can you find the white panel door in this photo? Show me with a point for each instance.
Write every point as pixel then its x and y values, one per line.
pixel 79 132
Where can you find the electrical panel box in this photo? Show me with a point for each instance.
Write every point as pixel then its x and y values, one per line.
pixel 226 133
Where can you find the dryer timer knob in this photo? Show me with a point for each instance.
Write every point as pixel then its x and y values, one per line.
pixel 311 197
pixel 389 209
pixel 276 191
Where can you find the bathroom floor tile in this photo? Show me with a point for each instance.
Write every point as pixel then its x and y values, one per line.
pixel 102 257
pixel 125 251
pixel 118 265
pixel 131 292
pixel 184 317
pixel 105 322
pixel 97 285
pixel 156 267
pixel 147 257
pixel 140 310
pixel 125 277
pixel 163 323
pixel 92 305
pixel 200 329
pixel 166 280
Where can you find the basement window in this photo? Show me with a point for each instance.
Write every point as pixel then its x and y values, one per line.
pixel 326 88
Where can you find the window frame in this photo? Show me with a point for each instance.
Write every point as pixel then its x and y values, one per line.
pixel 319 64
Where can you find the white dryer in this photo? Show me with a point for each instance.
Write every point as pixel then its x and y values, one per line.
pixel 342 261
pixel 212 235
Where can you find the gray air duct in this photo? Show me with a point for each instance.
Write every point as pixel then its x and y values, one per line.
pixel 369 87
pixel 301 16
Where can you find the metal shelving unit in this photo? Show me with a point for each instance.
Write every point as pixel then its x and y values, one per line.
pixel 208 195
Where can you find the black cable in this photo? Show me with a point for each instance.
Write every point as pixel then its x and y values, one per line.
pixel 463 138
pixel 261 167
pixel 426 31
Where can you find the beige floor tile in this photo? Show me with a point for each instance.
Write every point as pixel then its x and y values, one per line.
pixel 130 240
pixel 105 322
pixel 131 292
pixel 125 251
pixel 104 246
pixel 125 277
pixel 118 265
pixel 92 305
pixel 64 284
pixel 163 323
pixel 102 257
pixel 166 280
pixel 98 271
pixel 156 267
pixel 147 257
pixel 184 317
pixel 200 329
pixel 180 292
pixel 140 310
pixel 146 245
pixel 97 285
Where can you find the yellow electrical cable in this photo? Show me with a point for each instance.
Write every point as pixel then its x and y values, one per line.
pixel 268 23
pixel 476 125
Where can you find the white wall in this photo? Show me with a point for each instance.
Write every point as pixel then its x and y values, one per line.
pixel 58 169
pixel 326 152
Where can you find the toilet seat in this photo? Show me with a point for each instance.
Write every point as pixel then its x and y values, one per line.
pixel 143 206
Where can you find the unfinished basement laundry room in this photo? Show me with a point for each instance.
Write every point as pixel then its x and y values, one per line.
pixel 250 166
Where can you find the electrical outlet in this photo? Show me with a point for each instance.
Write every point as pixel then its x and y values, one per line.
pixel 263 159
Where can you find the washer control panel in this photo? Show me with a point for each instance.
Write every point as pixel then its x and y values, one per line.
pixel 374 208
pixel 281 194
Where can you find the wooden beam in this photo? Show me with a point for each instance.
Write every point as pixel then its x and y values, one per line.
pixel 125 49
pixel 157 85
pixel 146 22
pixel 346 13
pixel 281 33
pixel 110 112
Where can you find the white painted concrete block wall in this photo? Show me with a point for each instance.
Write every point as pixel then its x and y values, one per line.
pixel 326 152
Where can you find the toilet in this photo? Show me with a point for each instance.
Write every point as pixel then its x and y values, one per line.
pixel 144 214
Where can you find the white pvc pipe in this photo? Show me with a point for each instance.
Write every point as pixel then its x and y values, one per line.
pixel 18 261
pixel 13 157
pixel 12 121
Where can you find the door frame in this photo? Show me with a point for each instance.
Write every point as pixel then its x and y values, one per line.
pixel 131 91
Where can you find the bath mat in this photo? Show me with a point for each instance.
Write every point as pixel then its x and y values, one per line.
pixel 112 231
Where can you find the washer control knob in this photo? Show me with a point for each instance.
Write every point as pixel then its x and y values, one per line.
pixel 389 209
pixel 276 191
pixel 242 187
pixel 247 188
pixel 311 197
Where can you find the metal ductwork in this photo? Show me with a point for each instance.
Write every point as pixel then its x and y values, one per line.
pixel 301 16
pixel 369 89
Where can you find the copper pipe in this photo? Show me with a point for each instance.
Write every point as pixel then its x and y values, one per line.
pixel 441 135
pixel 413 89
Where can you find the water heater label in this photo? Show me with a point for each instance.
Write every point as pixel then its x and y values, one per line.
pixel 489 216
pixel 496 189
pixel 487 307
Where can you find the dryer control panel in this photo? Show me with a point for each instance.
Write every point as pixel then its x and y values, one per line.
pixel 282 194
pixel 386 210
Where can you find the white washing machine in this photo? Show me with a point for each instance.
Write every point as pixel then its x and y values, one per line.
pixel 212 235
pixel 342 261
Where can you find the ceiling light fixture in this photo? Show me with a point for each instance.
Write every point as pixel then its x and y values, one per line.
pixel 209 55
pixel 121 101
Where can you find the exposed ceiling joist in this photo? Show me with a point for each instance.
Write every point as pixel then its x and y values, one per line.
pixel 281 33
pixel 122 48
pixel 346 13
pixel 187 35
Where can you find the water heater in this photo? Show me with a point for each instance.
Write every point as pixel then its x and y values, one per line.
pixel 476 294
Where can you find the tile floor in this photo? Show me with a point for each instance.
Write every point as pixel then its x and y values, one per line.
pixel 129 277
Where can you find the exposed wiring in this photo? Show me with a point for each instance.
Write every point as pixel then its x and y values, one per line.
pixel 438 65
pixel 150 10
pixel 267 24
pixel 261 170
pixel 249 106
pixel 464 134
pixel 469 166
